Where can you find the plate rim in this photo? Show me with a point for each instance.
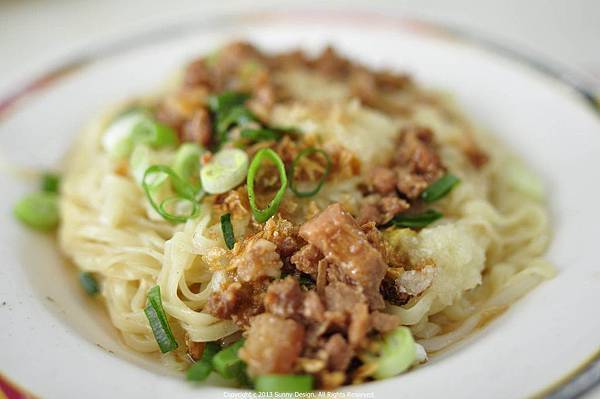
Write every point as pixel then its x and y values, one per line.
pixel 576 382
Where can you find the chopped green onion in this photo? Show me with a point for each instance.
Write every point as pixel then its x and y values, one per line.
pixel 50 182
pixel 415 221
pixel 199 371
pixel 187 194
pixel 135 128
pixel 229 110
pixel 158 321
pixel 38 210
pixel 139 161
pixel 187 161
pixel 262 215
pixel 284 383
pixel 227 362
pixel 522 179
pixel 226 170
pixel 305 153
pixel 238 115
pixel 397 354
pixel 117 141
pixel 155 134
pixel 202 368
pixel 89 283
pixel 260 134
pixel 439 188
pixel 226 100
pixel 227 230
pixel 183 207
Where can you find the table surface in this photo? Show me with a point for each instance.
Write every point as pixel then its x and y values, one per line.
pixel 36 33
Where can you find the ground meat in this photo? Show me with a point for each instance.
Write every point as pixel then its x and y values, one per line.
pixel 374 237
pixel 263 99
pixel 198 129
pixel 331 380
pixel 284 298
pixel 364 86
pixel 393 292
pixel 345 163
pixel 336 234
pixel 168 115
pixel 335 273
pixel 284 235
pixel 382 180
pixel 340 297
pixel 194 349
pixel 238 302
pixel 258 259
pixel 312 307
pixel 387 80
pixel 232 55
pixel 369 212
pixel 381 209
pixel 321 275
pixel 360 324
pixel 331 64
pixel 307 259
pixel 338 353
pixel 418 162
pixel 272 345
pixel 235 202
pixel 476 155
pixel 197 74
pixel 391 205
pixel 288 59
pixel 384 322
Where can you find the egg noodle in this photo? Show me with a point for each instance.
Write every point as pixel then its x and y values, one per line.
pixel 488 249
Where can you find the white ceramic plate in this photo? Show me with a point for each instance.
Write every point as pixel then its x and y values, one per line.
pixel 57 344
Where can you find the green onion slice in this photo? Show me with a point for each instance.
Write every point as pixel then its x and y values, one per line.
pixel 187 162
pixel 238 115
pixel 418 220
pixel 260 134
pixel 199 371
pixel 227 362
pixel 284 383
pixel 229 110
pixel 117 139
pixel 227 229
pixel 440 188
pixel 133 128
pixel 226 100
pixel 397 353
pixel 305 153
pixel 139 160
pixel 38 210
pixel 50 182
pixel 187 194
pixel 520 178
pixel 89 283
pixel 183 208
pixel 262 215
pixel 155 134
pixel 158 321
pixel 202 368
pixel 226 170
